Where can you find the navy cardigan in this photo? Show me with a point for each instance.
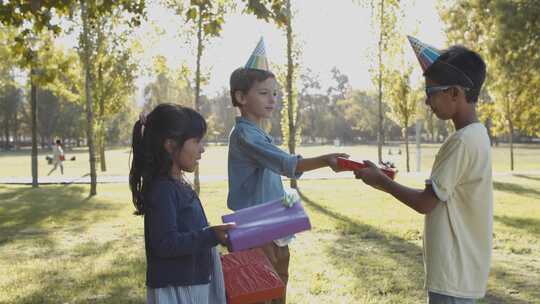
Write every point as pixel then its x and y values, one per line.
pixel 178 243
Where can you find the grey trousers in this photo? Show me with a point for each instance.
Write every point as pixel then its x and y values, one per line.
pixel 437 298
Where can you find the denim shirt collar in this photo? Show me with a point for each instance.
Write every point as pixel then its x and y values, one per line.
pixel 253 125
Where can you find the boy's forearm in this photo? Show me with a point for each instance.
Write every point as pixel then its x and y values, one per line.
pixel 422 201
pixel 312 163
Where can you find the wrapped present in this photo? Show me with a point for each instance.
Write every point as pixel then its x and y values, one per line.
pixel 250 278
pixel 261 224
pixel 352 165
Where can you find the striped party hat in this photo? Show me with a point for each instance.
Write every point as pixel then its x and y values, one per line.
pixel 258 60
pixel 425 53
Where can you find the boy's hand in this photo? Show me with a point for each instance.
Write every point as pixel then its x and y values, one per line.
pixel 372 175
pixel 221 232
pixel 331 161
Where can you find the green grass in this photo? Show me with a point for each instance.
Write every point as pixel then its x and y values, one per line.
pixel 18 163
pixel 214 162
pixel 58 246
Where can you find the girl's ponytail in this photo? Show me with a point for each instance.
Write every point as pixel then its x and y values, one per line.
pixel 137 168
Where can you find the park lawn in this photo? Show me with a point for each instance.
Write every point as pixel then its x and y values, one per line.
pixel 18 164
pixel 58 246
pixel 214 161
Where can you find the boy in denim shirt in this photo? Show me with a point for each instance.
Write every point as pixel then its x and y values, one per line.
pixel 255 164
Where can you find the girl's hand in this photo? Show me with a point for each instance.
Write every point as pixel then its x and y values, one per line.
pixel 331 160
pixel 221 232
pixel 371 175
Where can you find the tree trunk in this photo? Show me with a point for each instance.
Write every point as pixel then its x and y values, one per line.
pixel 406 137
pixel 102 160
pixel 16 132
pixel 196 105
pixel 418 145
pixel 511 139
pixel 33 109
pixel 89 100
pixel 489 125
pixel 101 119
pixel 290 71
pixel 6 133
pixel 380 121
pixel 430 128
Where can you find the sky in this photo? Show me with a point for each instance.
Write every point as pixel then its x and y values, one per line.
pixel 335 33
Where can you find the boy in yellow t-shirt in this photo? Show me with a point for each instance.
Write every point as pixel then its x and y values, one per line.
pixel 458 197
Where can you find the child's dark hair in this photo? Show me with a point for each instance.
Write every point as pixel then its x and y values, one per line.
pixel 150 159
pixel 243 79
pixel 461 66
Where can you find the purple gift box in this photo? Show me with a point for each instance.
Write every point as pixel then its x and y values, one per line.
pixel 261 224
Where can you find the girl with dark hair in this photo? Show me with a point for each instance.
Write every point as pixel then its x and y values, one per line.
pixel 183 265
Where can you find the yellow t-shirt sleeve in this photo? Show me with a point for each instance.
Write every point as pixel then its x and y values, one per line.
pixel 450 164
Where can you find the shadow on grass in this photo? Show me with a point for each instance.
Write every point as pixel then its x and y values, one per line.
pixel 44 233
pixel 535 178
pixel 516 189
pixel 392 268
pixel 530 225
pixel 28 211
pixel 82 278
pixel 375 257
pixel 516 285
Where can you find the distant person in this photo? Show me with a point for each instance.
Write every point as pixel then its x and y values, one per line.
pixel 58 157
pixel 457 199
pixel 182 261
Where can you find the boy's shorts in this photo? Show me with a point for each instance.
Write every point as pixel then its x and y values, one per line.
pixel 437 298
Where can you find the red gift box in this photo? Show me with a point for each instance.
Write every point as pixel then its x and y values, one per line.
pixel 250 278
pixel 352 165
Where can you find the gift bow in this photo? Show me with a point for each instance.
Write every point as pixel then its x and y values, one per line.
pixel 291 197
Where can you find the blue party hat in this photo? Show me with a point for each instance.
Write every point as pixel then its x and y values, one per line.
pixel 258 60
pixel 425 53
